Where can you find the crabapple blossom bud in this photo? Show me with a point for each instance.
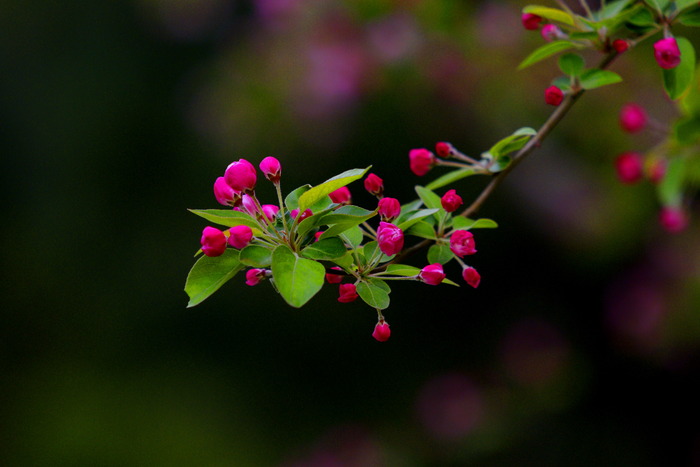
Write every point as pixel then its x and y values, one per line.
pixel 317 235
pixel 241 175
pixel 254 276
pixel 225 194
pixel 272 169
pixel 551 32
pixel 374 185
pixel 667 53
pixel 531 22
pixel 334 278
pixel 633 118
pixel 673 219
pixel 240 236
pixel 443 149
pixel 451 201
pixel 432 274
pixel 462 243
pixel 421 161
pixel 381 331
pixel 620 45
pixel 390 238
pixel 389 209
pixel 656 170
pixel 304 215
pixel 553 96
pixel 270 211
pixel 250 205
pixel 629 167
pixel 213 241
pixel 341 195
pixel 348 293
pixel 471 276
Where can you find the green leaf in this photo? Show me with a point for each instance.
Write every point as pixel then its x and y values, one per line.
pixel 371 249
pixel 550 13
pixel 464 223
pixel 643 18
pixel 316 193
pixel 562 82
pixel 439 253
pixel 310 222
pixel 416 217
pixel 421 229
pixel 512 143
pixel 613 9
pixel 677 80
pixel 545 51
pixel 658 5
pixel 226 217
pixel 595 78
pixel 353 235
pixel 292 199
pixel 346 261
pixel 326 249
pixel 429 198
pixel 683 4
pixel 690 18
pixel 450 177
pixel 345 218
pixel 670 188
pixel 373 295
pixel 571 64
pixel 209 274
pixel 297 279
pixel 256 256
pixel 687 130
pixel 402 270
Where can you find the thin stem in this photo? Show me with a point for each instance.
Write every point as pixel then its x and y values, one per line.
pixel 444 163
pixel 281 203
pixel 372 232
pixel 585 6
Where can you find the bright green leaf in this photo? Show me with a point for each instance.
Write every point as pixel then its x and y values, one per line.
pixel 374 295
pixel 326 249
pixel 429 198
pixel 439 253
pixel 571 64
pixel 297 279
pixel 292 199
pixel 226 217
pixel 512 142
pixel 683 4
pixel 209 274
pixel 371 249
pixel 690 18
pixel 464 223
pixel 256 256
pixel 416 217
pixel 353 235
pixel 595 78
pixel 677 80
pixel 550 13
pixel 450 177
pixel 403 270
pixel 545 51
pixel 317 193
pixel 687 130
pixel 670 188
pixel 421 229
pixel 613 9
pixel 658 5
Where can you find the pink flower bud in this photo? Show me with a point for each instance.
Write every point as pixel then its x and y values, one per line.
pixel 374 185
pixel 213 241
pixel 471 276
pixel 389 209
pixel 304 215
pixel 240 236
pixel 241 175
pixel 656 170
pixel 317 235
pixel 551 32
pixel 225 194
pixel 390 238
pixel 334 278
pixel 462 243
pixel 673 219
pixel 348 293
pixel 272 169
pixel 553 96
pixel 629 167
pixel 270 211
pixel 432 274
pixel 620 45
pixel 254 276
pixel 531 22
pixel 633 118
pixel 443 149
pixel 451 201
pixel 667 53
pixel 382 331
pixel 421 161
pixel 341 195
pixel 250 205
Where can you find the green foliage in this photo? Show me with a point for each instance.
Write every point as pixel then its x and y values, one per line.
pixel 571 64
pixel 551 14
pixel 595 78
pixel 679 79
pixel 545 51
pixel 317 193
pixel 374 292
pixel 325 249
pixel 451 177
pixel 439 253
pixel 209 274
pixel 256 256
pixel 226 217
pixel 297 279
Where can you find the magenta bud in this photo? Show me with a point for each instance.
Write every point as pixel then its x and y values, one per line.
pixel 462 243
pixel 272 169
pixel 254 276
pixel 620 45
pixel 389 209
pixel 551 32
pixel 270 211
pixel 390 238
pixel 629 167
pixel 633 118
pixel 348 293
pixel 317 235
pixel 471 276
pixel 553 96
pixel 304 215
pixel 667 53
pixel 341 195
pixel 334 278
pixel 443 149
pixel 241 176
pixel 421 161
pixel 531 22
pixel 250 205
pixel 213 241
pixel 432 274
pixel 240 236
pixel 673 219
pixel 225 194
pixel 451 201
pixel 374 185
pixel 381 331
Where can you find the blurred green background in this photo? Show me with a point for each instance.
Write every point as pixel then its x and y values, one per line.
pixel 579 347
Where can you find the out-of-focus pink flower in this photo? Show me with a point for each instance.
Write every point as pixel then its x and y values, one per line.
pixel 656 170
pixel 421 161
pixel 531 22
pixel 551 32
pixel 633 118
pixel 673 219
pixel 443 149
pixel 620 45
pixel 667 53
pixel 334 278
pixel 553 96
pixel 451 201
pixel 629 167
